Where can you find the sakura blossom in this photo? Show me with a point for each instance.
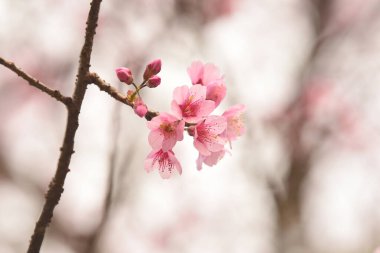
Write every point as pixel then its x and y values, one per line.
pixel 204 74
pixel 208 75
pixel 207 135
pixel 191 110
pixel 164 162
pixel 166 130
pixel 191 104
pixel 211 159
pixel 235 125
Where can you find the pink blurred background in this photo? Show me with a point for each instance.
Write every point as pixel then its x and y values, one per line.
pixel 304 178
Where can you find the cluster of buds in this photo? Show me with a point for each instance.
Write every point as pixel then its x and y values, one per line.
pixel 190 111
pixel 151 80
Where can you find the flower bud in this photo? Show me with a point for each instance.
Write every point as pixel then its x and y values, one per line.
pixel 154 81
pixel 140 107
pixel 153 68
pixel 124 75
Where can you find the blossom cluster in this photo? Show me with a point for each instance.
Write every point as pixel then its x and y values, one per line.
pixel 191 110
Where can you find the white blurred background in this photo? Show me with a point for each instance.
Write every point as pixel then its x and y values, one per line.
pixel 304 178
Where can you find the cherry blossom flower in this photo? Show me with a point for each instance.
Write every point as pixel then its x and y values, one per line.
pixel 191 108
pixel 204 74
pixel 166 130
pixel 235 126
pixel 208 75
pixel 207 133
pixel 216 93
pixel 140 107
pixel 211 159
pixel 191 104
pixel 165 162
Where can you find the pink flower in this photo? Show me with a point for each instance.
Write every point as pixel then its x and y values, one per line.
pixel 204 74
pixel 191 104
pixel 216 93
pixel 140 107
pixel 235 126
pixel 124 75
pixel 153 68
pixel 166 130
pixel 207 133
pixel 208 75
pixel 211 159
pixel 165 162
pixel 154 81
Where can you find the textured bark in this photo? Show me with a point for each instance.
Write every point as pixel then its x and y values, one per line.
pixel 55 190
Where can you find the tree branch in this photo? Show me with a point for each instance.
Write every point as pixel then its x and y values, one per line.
pixel 104 86
pixel 35 83
pixel 56 185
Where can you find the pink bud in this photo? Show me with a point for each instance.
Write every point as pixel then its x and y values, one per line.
pixel 153 68
pixel 154 81
pixel 124 75
pixel 140 107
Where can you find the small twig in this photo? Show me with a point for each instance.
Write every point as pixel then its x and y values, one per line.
pixel 104 86
pixel 35 83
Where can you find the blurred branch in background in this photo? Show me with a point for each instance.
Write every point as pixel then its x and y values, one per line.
pixel 333 21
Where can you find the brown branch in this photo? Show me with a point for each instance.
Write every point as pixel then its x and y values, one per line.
pixel 56 185
pixel 35 83
pixel 104 86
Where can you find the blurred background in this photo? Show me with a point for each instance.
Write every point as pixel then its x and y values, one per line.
pixel 304 178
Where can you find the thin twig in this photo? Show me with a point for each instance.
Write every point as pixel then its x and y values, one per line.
pixel 35 83
pixel 104 86
pixel 56 185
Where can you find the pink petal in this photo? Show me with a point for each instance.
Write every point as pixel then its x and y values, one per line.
pixel 216 93
pixel 239 108
pixel 169 117
pixel 197 92
pixel 216 145
pixel 217 123
pixel 169 143
pixel 154 123
pixel 201 147
pixel 214 158
pixel 165 174
pixel 195 72
pixel 179 130
pixel 180 94
pixel 206 108
pixel 176 163
pixel 155 139
pixel 148 163
pixel 211 74
pixel 176 109
pixel 199 162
